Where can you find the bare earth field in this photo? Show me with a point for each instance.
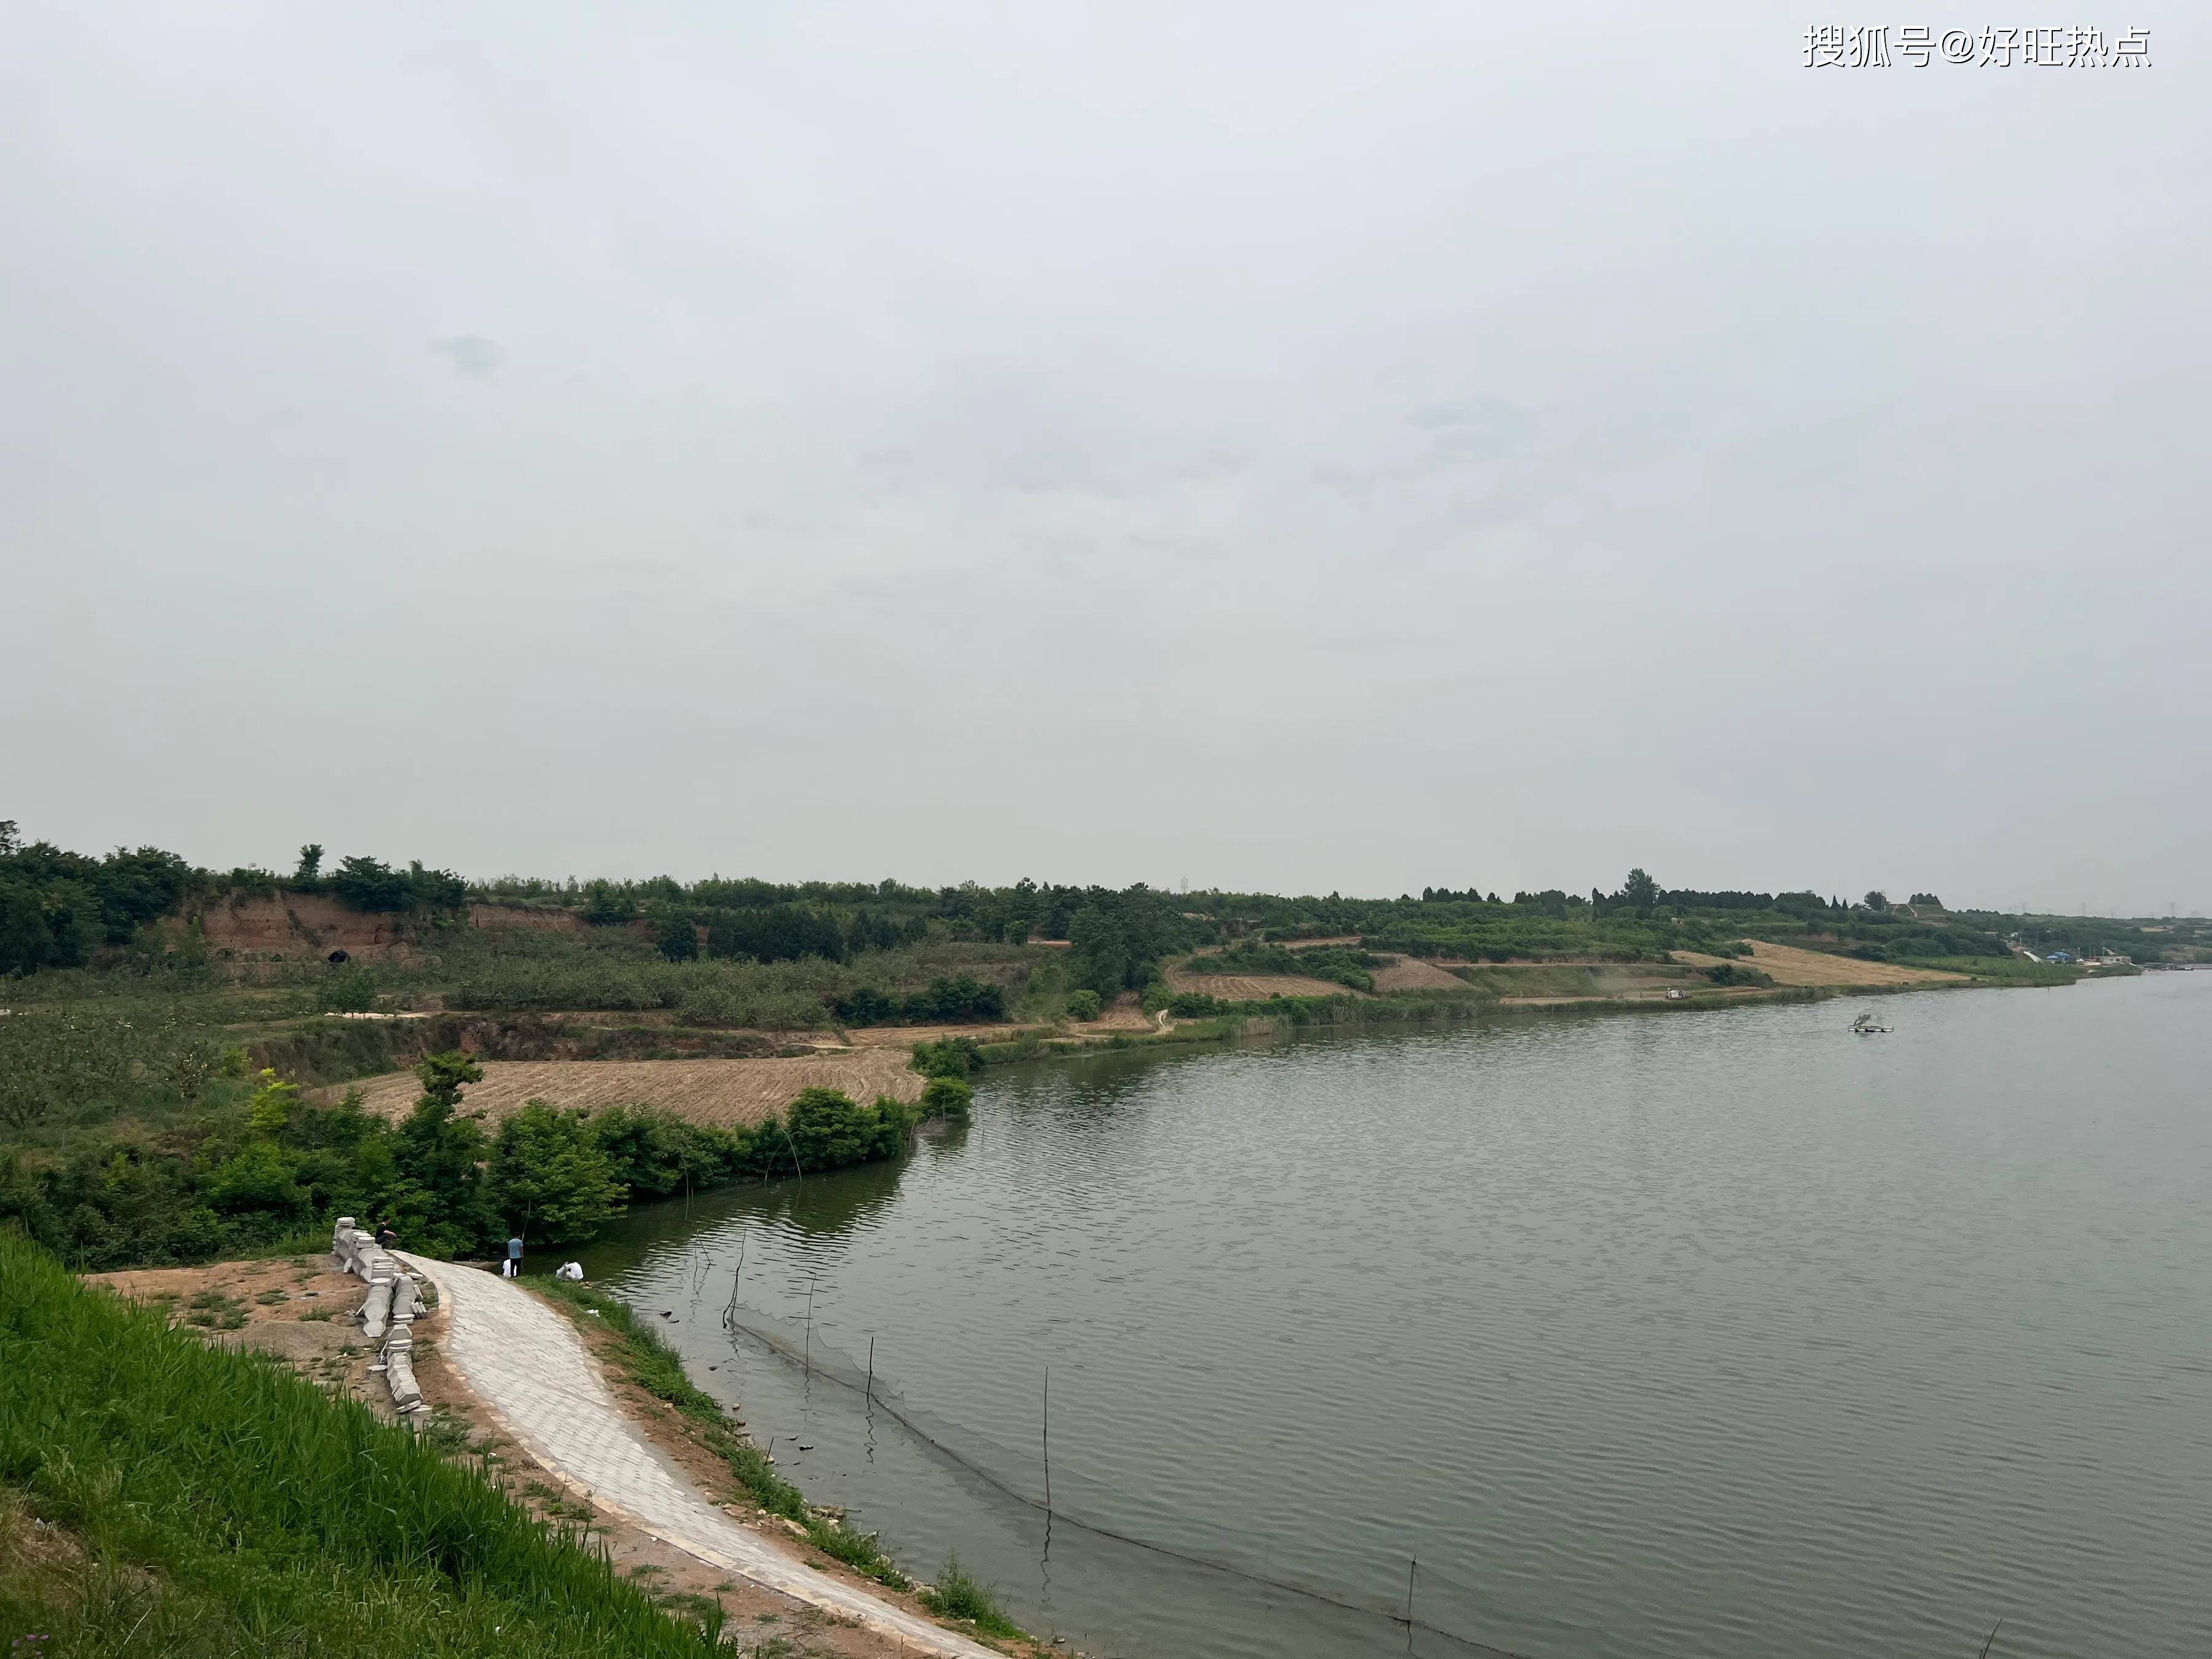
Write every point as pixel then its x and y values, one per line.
pixel 728 1092
pixel 1411 973
pixel 1255 987
pixel 299 1309
pixel 1788 965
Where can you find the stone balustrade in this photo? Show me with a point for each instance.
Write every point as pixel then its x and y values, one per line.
pixel 388 1313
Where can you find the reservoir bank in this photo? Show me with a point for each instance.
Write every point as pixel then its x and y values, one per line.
pixel 1726 1333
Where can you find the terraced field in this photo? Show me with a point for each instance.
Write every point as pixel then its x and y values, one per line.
pixel 1789 965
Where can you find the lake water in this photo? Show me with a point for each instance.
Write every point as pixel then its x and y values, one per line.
pixel 1716 1334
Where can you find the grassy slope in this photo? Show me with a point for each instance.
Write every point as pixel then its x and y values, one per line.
pixel 193 1501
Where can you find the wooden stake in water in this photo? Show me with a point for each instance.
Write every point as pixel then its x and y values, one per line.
pixel 1048 1441
pixel 1409 1603
pixel 871 1395
pixel 810 1328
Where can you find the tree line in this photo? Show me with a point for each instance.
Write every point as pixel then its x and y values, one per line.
pixel 61 909
pixel 274 1167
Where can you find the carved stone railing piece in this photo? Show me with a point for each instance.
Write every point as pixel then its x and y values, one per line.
pixel 387 1312
pixel 399 1370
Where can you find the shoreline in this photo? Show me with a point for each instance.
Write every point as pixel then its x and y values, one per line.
pixel 1281 1016
pixel 538 1369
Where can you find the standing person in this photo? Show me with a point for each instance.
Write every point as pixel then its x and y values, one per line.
pixel 514 1257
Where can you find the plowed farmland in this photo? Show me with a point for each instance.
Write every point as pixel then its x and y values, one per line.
pixel 1254 987
pixel 1788 965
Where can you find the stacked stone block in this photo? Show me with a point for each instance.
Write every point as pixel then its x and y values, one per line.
pixel 386 1314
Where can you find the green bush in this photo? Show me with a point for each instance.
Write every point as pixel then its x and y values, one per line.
pixel 1738 973
pixel 947 999
pixel 1083 1005
pixel 1333 963
pixel 947 1097
pixel 961 1057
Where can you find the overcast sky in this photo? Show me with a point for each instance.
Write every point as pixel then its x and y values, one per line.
pixel 1263 445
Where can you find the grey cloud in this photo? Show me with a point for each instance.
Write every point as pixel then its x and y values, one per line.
pixel 470 354
pixel 1477 429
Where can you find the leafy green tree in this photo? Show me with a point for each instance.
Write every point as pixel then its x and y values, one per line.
pixel 311 865
pixel 604 906
pixel 1100 952
pixel 1877 900
pixel 644 1148
pixel 368 886
pixel 866 1005
pixel 436 1199
pixel 435 890
pixel 1640 892
pixel 677 935
pixel 550 1177
pixel 26 943
pixel 775 932
pixel 269 1110
pixel 827 1129
pixel 445 1075
pixel 1083 1005
pixel 259 1177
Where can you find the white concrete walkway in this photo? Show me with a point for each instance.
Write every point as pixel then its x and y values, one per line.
pixel 524 1360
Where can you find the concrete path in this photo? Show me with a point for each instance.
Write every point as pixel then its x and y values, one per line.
pixel 525 1362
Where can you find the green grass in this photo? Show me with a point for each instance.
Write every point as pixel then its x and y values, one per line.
pixel 653 1366
pixel 216 1311
pixel 2001 970
pixel 958 1596
pixel 161 1497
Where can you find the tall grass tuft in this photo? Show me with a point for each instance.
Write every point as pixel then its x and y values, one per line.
pixel 957 1594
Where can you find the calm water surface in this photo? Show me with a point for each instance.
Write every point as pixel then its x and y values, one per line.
pixel 1714 1334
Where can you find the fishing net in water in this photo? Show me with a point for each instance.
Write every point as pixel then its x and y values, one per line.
pixel 1410 1595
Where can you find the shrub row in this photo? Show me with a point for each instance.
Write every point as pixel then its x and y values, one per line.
pixel 271 1169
